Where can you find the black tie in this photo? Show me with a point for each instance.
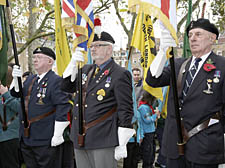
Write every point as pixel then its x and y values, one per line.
pixel 97 69
pixel 190 76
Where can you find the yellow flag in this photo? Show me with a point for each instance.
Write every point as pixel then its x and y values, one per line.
pixel 143 39
pixel 63 54
pixel 2 2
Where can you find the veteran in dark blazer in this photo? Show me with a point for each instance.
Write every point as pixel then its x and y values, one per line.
pixel 46 106
pixel 201 97
pixel 108 93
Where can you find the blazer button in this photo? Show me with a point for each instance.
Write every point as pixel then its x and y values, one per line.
pixel 92 94
pixel 75 118
pixel 85 105
pixel 77 105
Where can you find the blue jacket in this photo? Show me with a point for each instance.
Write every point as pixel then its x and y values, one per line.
pixel 147 118
pixel 41 131
pixel 12 105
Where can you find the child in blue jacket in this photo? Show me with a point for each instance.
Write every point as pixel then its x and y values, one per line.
pixel 148 119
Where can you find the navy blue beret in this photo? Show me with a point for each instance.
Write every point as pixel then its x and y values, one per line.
pixel 45 50
pixel 203 24
pixel 104 37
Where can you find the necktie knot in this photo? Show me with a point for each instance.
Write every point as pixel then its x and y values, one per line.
pixel 190 76
pixel 97 69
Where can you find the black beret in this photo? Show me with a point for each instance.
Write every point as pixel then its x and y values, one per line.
pixel 203 24
pixel 45 50
pixel 104 37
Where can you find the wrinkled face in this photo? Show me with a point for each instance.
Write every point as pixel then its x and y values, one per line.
pixel 136 76
pixel 100 51
pixel 42 62
pixel 200 41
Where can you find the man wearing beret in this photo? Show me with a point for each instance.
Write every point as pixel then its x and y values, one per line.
pixel 46 107
pixel 107 106
pixel 201 96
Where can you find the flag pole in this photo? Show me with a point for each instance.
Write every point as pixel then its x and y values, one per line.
pixel 17 63
pixel 129 56
pixel 180 142
pixel 80 106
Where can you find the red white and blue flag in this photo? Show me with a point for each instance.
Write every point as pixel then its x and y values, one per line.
pixel 78 16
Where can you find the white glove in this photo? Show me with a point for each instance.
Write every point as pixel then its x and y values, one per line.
pixel 158 63
pixel 57 138
pixel 221 166
pixel 166 39
pixel 71 68
pixel 124 134
pixel 16 73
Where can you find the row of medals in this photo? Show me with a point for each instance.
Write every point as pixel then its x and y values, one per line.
pixel 216 79
pixel 101 92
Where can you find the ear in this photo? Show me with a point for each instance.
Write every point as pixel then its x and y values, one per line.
pixel 213 37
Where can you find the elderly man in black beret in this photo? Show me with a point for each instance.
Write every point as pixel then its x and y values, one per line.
pixel 46 107
pixel 107 106
pixel 201 94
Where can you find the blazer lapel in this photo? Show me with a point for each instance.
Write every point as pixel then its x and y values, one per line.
pixel 99 78
pixel 201 77
pixel 184 76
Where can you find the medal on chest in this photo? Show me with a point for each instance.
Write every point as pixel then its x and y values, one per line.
pixel 42 89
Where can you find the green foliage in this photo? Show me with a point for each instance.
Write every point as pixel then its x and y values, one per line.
pixel 218 8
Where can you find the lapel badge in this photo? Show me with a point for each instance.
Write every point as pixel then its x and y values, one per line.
pixel 216 76
pixel 108 81
pixel 101 94
pixel 209 87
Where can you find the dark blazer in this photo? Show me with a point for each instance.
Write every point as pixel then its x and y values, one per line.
pixel 207 146
pixel 42 131
pixel 117 94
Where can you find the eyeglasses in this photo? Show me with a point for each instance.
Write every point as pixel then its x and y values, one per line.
pixel 39 57
pixel 98 45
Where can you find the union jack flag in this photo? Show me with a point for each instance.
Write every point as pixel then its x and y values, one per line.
pixel 83 25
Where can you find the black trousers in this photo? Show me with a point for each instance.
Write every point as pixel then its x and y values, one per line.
pixel 148 150
pixel 184 163
pixel 132 155
pixel 40 156
pixel 9 155
pixel 66 156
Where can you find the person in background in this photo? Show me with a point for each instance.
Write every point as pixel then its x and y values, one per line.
pixel 107 104
pixel 148 119
pixel 138 83
pixel 46 107
pixel 133 146
pixel 9 125
pixel 201 101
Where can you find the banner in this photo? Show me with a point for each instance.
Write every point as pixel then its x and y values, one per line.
pixel 63 54
pixel 3 47
pixel 164 10
pixel 143 39
pixel 79 18
pixel 2 2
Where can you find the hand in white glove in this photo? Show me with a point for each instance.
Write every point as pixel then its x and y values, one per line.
pixel 166 39
pixel 17 72
pixel 57 138
pixel 124 134
pixel 71 69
